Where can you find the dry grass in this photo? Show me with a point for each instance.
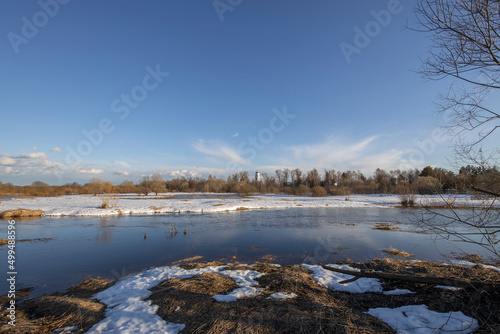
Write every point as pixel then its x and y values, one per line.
pixel 407 199
pixel 385 227
pixel 242 208
pixel 198 265
pixel 49 312
pixel 21 213
pixel 108 201
pixel 157 208
pixel 189 259
pixel 138 198
pixel 218 204
pixel 4 242
pixel 189 301
pixel 172 230
pixel 268 258
pixel 394 252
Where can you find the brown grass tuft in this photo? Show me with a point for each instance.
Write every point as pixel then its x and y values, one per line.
pixel 189 259
pixel 49 312
pixel 394 252
pixel 20 213
pixel 385 227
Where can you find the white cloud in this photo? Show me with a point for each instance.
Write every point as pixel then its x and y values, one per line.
pixel 32 149
pixel 88 171
pixel 56 149
pixel 236 134
pixel 219 150
pixel 7 161
pixel 36 163
pixel 37 155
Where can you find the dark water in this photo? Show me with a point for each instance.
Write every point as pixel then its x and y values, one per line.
pixel 113 247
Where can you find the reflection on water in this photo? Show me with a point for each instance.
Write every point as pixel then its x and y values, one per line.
pixel 104 231
pixel 114 247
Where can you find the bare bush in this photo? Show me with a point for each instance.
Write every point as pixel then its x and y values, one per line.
pixel 318 191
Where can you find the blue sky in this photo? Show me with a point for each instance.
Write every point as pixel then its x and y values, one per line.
pixel 118 90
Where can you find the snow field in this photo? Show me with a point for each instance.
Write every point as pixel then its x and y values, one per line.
pixel 87 205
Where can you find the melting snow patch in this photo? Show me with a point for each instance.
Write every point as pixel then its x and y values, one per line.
pixel 127 310
pixel 65 330
pixel 418 319
pixel 283 295
pixel 397 292
pixel 246 283
pixel 491 267
pixel 445 287
pixel 330 279
pixel 471 264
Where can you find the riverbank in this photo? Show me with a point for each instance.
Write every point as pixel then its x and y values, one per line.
pixel 127 204
pixel 214 297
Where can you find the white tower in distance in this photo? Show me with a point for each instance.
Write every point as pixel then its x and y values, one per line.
pixel 257 176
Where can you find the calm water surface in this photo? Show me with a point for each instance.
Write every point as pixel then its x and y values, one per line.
pixel 113 247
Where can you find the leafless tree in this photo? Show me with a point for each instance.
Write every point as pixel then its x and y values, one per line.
pixel 158 184
pixel 466 46
pixel 313 178
pixel 465 37
pixel 95 185
pixel 286 173
pixel 297 176
pixel 279 176
pixel 145 186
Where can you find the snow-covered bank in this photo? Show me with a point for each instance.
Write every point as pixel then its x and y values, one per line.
pixel 130 311
pixel 88 205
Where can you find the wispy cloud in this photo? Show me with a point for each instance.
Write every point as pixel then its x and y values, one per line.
pixel 329 152
pixel 122 164
pixel 55 149
pixel 121 173
pixel 220 151
pixel 32 149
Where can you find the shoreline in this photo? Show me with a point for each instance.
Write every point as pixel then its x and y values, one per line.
pixel 133 204
pixel 266 294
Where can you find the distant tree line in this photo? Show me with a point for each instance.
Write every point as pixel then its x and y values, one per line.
pixel 429 180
